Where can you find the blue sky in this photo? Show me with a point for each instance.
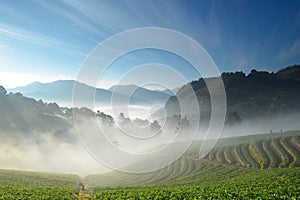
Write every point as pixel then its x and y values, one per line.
pixel 49 40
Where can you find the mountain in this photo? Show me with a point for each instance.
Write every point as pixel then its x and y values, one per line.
pixel 169 92
pixel 258 94
pixel 58 91
pixel 136 92
pixel 61 92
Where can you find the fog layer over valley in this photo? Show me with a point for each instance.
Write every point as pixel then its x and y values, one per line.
pixel 48 155
pixel 46 137
pixel 42 136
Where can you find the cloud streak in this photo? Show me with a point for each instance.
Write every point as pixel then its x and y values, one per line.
pixel 30 37
pixel 291 51
pixel 66 31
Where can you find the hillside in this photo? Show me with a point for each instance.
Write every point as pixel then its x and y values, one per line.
pixel 258 94
pixel 262 151
pixel 26 118
pixel 213 177
pixel 254 153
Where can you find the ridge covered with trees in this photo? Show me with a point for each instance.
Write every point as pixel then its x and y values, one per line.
pixel 258 94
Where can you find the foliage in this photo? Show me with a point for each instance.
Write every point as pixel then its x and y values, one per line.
pixel 259 93
pixel 232 119
pixel 154 126
pixel 2 90
pixel 209 182
pixel 105 119
pixel 34 185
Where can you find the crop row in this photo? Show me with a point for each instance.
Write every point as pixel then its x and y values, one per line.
pixel 268 153
pixel 215 182
pixel 34 185
pixel 277 152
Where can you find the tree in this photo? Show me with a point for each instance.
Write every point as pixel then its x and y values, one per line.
pixel 182 124
pixel 232 119
pixel 2 91
pixel 53 107
pixel 121 117
pixel 155 127
pixel 141 122
pixel 124 120
pixel 105 119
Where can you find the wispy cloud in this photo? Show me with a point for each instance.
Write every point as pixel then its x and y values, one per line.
pixel 104 18
pixel 30 37
pixel 38 39
pixel 13 34
pixel 5 47
pixel 78 15
pixel 291 51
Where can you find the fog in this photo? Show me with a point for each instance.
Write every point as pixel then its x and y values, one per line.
pixel 131 147
pixel 132 111
pixel 260 125
pixel 47 155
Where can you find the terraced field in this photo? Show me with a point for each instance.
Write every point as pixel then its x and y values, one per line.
pixel 251 167
pixel 265 151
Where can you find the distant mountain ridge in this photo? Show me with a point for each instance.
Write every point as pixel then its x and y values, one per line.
pixel 258 93
pixel 140 93
pixel 61 92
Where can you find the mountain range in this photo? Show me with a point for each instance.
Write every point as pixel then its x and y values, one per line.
pixel 258 94
pixel 61 92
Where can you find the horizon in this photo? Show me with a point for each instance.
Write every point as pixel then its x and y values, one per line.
pixel 149 88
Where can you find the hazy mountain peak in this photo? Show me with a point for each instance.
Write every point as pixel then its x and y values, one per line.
pixel 129 86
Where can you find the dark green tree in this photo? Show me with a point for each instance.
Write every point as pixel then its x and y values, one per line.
pixel 2 91
pixel 155 127
pixel 232 119
pixel 105 119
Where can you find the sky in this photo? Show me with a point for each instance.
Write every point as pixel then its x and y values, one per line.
pixel 47 40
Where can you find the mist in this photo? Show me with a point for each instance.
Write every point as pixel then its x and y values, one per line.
pixel 47 154
pixel 262 125
pixel 95 147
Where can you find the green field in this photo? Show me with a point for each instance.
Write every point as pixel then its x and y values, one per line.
pixel 36 185
pixel 251 167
